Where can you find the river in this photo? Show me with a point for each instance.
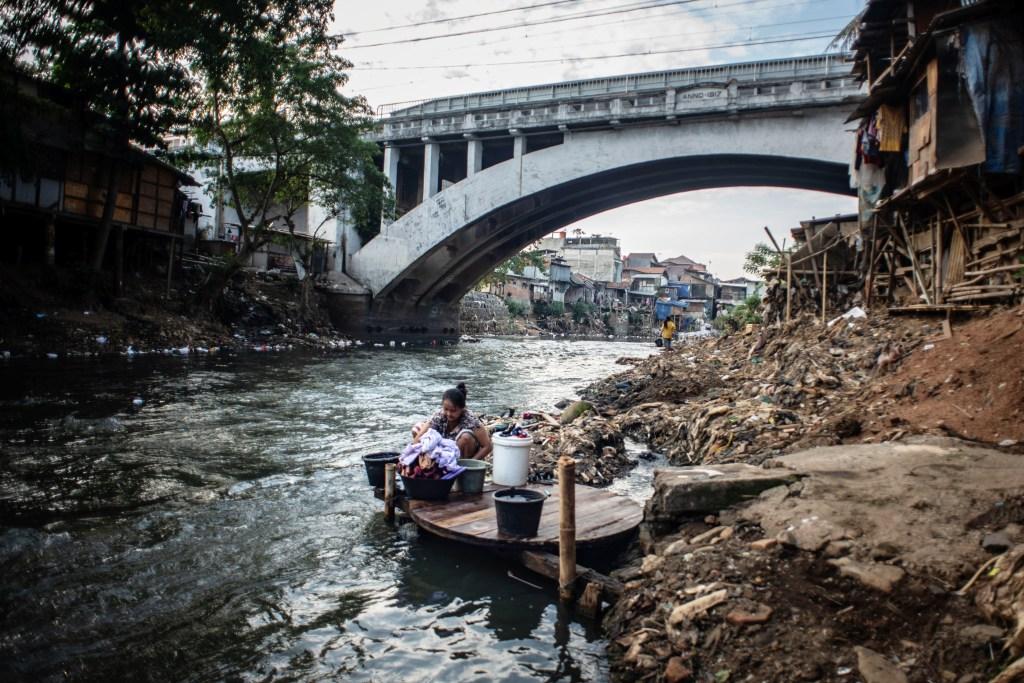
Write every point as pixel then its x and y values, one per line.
pixel 223 530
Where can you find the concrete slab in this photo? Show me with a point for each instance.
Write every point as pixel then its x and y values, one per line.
pixel 681 492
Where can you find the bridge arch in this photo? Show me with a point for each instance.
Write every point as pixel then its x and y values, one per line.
pixel 431 256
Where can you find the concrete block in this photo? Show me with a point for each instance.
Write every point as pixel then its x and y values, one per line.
pixel 683 491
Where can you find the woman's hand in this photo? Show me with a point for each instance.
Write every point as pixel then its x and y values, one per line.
pixel 483 437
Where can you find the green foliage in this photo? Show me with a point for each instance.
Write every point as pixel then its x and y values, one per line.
pixel 582 311
pixel 762 257
pixel 269 97
pixel 514 265
pixel 740 316
pixel 545 309
pixel 516 309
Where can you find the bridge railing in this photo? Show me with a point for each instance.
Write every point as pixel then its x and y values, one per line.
pixel 745 72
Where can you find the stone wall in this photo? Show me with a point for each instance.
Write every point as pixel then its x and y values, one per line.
pixel 483 313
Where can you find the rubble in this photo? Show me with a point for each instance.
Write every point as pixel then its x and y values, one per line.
pixel 743 398
pixel 833 572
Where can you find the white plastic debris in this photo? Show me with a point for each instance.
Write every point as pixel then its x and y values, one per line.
pixel 855 312
pixel 137 402
pixel 101 340
pixel 928 347
pixel 52 356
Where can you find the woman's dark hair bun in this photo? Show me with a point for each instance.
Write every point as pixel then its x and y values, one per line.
pixel 461 386
pixel 456 396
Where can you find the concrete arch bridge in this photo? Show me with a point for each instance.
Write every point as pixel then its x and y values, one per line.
pixel 481 176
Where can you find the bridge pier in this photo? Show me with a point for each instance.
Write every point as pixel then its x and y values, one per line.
pixel 358 316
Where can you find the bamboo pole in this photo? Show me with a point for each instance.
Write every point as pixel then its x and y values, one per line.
pixel 869 280
pixel 912 252
pixel 824 287
pixel 809 236
pixel 389 491
pixel 566 527
pixel 789 286
pixel 170 267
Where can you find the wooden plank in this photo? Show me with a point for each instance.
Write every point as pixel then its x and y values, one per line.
pixel 546 565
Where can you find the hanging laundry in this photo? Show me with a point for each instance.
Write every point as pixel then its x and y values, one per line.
pixel 891 127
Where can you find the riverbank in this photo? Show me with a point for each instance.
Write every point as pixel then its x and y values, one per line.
pixel 731 590
pixel 50 313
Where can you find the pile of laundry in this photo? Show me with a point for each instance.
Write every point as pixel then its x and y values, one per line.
pixel 432 457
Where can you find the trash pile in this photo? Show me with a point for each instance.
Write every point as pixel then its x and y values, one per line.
pixel 432 457
pixel 746 397
pixel 592 440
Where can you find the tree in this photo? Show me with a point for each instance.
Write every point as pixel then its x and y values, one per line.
pixel 271 125
pixel 761 258
pixel 514 265
pixel 740 315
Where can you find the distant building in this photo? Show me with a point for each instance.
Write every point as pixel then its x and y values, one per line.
pixel 678 265
pixel 526 287
pixel 640 260
pixel 559 279
pixel 646 281
pixel 751 287
pixel 597 257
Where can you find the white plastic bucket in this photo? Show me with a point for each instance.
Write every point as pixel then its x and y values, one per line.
pixel 511 460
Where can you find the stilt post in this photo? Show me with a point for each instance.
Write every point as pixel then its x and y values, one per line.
pixel 824 287
pixel 51 240
pixel 389 491
pixel 170 266
pixel 567 527
pixel 789 286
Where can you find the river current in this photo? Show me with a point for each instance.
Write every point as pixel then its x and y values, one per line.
pixel 224 530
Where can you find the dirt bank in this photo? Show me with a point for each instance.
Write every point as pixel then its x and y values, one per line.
pixel 57 312
pixel 852 572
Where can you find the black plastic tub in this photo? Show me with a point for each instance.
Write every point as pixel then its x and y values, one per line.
pixel 519 511
pixel 374 463
pixel 427 489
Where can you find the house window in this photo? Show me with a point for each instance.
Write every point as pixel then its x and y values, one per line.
pixel 919 100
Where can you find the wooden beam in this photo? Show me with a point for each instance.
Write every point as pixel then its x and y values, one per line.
pixel 547 565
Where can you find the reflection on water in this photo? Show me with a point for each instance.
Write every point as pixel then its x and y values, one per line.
pixel 225 529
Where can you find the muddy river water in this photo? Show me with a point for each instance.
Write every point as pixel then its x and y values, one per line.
pixel 223 530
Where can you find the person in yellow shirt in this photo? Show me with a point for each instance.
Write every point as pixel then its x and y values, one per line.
pixel 668 330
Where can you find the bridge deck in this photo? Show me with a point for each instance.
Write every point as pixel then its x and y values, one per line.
pixel 601 517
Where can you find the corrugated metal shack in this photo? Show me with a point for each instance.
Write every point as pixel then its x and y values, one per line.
pixel 938 159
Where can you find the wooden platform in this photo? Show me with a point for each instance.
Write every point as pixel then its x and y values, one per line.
pixel 601 517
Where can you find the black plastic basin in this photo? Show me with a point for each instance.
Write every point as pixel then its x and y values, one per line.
pixel 519 511
pixel 374 463
pixel 427 489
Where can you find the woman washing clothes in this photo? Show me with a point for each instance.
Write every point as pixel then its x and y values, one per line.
pixel 456 422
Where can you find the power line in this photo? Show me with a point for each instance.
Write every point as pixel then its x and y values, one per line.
pixel 697 48
pixel 462 17
pixel 735 29
pixel 621 10
pixel 699 11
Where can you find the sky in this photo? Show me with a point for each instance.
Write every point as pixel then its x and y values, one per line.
pixel 406 51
